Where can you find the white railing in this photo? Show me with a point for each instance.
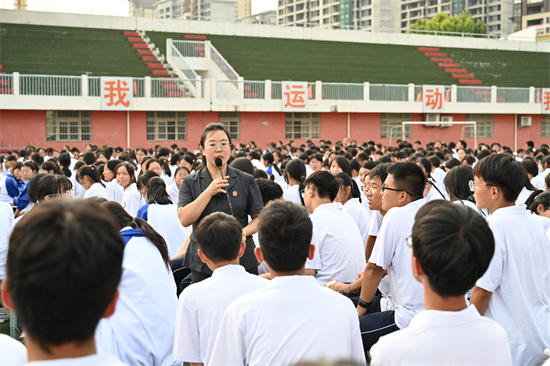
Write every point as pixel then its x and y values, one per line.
pixel 512 95
pixel 50 85
pixel 335 91
pixel 94 86
pixel 276 90
pixel 190 48
pixel 176 88
pixel 254 90
pixel 473 94
pixel 229 89
pixel 6 84
pixel 180 62
pixel 389 92
pixel 222 64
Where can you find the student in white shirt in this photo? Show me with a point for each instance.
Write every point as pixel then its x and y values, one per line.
pixel 350 197
pixel 131 199
pixel 295 175
pixel 75 269
pixel 538 181
pixel 88 177
pixel 447 239
pixel 293 319
pixel 339 250
pixel 271 169
pixel 457 183
pixel 402 198
pixel 514 290
pixel 221 244
pixel 141 331
pixel 174 188
pixel 113 191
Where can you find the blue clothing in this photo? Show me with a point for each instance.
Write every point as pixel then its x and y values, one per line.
pixel 126 235
pixel 142 212
pixel 22 200
pixel 14 186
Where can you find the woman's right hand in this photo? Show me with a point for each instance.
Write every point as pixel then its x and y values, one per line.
pixel 217 186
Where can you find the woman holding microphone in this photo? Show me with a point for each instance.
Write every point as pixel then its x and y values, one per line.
pixel 218 187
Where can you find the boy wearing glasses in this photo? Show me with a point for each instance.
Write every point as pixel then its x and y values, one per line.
pixel 402 197
pixel 515 289
pixel 451 248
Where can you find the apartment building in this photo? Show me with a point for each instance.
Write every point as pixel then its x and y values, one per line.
pixel 243 8
pixel 216 10
pixel 529 13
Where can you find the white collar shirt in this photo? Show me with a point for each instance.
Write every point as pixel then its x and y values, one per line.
pixel 360 216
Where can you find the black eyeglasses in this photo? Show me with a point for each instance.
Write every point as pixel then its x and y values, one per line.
pixel 384 187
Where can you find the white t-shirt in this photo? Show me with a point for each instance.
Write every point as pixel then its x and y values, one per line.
pixel 339 251
pixel 95 190
pixel 445 338
pixel 538 181
pixel 292 320
pixel 131 200
pixel 201 307
pixel 523 196
pixel 174 192
pixel 6 221
pixel 12 352
pixel 113 191
pixel 360 216
pixel 391 252
pixel 141 331
pixel 292 194
pixel 164 219
pixel 375 223
pixel 519 278
pixel 92 360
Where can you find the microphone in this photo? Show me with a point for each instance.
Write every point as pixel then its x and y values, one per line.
pixel 219 162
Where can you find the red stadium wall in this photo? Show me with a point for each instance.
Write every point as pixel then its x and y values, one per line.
pixel 19 128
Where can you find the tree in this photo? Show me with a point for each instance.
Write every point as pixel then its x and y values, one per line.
pixel 442 22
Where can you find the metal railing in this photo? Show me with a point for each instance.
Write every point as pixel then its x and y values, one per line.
pixel 180 62
pixel 50 85
pixel 276 90
pixel 512 95
pixel 222 64
pixel 94 86
pixel 473 94
pixel 175 88
pixel 389 92
pixel 336 91
pixel 139 87
pixel 254 90
pixel 6 84
pixel 228 89
pixel 190 48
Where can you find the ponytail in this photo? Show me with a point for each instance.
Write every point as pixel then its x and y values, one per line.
pixel 156 192
pixel 89 171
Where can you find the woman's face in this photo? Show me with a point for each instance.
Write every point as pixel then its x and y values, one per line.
pixel 179 177
pixel 123 178
pixel 315 165
pixel 342 195
pixel 335 168
pixel 26 173
pixel 108 174
pixel 16 173
pixel 216 145
pixel 102 158
pixel 185 164
pixel 139 156
pixel 144 166
pixel 154 166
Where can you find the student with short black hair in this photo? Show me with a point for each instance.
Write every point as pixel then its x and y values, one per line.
pixel 286 322
pixel 451 247
pixel 272 170
pixel 221 244
pixel 62 278
pixel 514 290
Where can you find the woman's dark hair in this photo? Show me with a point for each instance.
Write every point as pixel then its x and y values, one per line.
pixel 165 165
pixel 269 158
pixel 65 163
pixel 175 159
pixel 156 191
pixel 297 171
pixel 181 168
pixel 452 162
pixel 213 127
pixel 129 168
pixel 538 198
pixel 317 157
pixel 31 189
pixel 163 151
pixel 48 165
pixel 112 164
pixel 345 181
pixel 343 163
pixel 243 164
pixel 123 219
pixel 37 158
pixel 427 165
pixel 143 180
pixel 191 159
pixel 456 182
pixel 259 173
pixel 31 164
pixel 91 172
pixel 89 158
pixel 151 161
pixel 142 150
pixel 52 184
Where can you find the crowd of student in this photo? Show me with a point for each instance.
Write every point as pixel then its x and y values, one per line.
pixel 236 255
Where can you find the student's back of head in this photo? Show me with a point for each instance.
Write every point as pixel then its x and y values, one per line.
pixel 285 232
pixel 324 183
pixel 219 236
pixel 504 172
pixel 63 268
pixel 269 190
pixel 453 245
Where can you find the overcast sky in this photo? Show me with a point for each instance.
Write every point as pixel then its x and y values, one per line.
pixel 110 7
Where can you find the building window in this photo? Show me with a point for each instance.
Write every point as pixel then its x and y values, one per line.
pixel 545 125
pixel 232 123
pixel 391 125
pixel 166 126
pixel 68 126
pixel 303 126
pixel 484 125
